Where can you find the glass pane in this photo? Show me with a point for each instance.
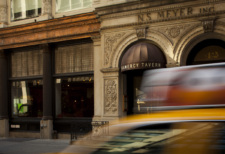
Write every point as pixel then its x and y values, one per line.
pixel 75 4
pixel 63 5
pixel 74 96
pixel 87 3
pixel 22 9
pixel 68 5
pixel 27 98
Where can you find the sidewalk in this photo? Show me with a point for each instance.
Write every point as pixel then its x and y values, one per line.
pixel 31 146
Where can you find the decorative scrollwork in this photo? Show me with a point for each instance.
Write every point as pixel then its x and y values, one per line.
pixel 208 25
pixel 174 31
pixel 141 32
pixel 110 96
pixel 110 40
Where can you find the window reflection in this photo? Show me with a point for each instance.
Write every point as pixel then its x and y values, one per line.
pixel 74 96
pixel 22 9
pixel 27 98
pixel 69 5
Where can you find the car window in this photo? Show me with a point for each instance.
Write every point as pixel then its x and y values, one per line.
pixel 192 137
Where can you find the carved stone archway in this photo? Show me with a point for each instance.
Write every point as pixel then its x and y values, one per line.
pixel 189 46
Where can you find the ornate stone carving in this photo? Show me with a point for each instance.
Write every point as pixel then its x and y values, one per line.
pixel 47 7
pixel 110 96
pixel 3 14
pixel 174 31
pixel 208 24
pixel 110 40
pixel 141 32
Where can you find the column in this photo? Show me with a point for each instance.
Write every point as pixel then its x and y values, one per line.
pixel 98 102
pixel 4 122
pixel 47 122
pixel 3 13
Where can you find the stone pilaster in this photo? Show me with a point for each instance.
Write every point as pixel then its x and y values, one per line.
pixel 46 129
pixel 47 8
pixel 4 129
pixel 98 87
pixel 3 16
pixel 46 122
pixel 111 93
pixel 4 122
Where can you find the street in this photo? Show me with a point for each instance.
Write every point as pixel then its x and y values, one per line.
pixel 31 146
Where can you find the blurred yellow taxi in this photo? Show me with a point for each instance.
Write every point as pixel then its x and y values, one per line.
pixel 177 131
pixel 187 116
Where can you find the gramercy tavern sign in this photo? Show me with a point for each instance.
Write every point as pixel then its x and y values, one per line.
pixel 172 13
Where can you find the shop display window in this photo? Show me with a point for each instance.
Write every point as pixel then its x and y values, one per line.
pixel 74 96
pixel 27 98
pixel 74 58
pixel 69 5
pixel 26 82
pixel 22 9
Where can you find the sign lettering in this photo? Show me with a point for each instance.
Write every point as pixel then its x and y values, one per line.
pixel 179 12
pixel 143 65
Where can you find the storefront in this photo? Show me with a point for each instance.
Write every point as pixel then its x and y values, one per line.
pixel 184 33
pixel 56 69
pixel 47 77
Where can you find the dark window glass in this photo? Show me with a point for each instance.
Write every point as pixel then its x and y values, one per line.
pixel 27 98
pixel 74 97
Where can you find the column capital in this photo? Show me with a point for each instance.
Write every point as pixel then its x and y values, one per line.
pixel 96 39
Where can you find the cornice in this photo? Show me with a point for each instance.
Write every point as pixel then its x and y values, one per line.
pixel 39 28
pixel 165 20
pixel 147 7
pixel 52 24
pixel 54 30
pixel 47 40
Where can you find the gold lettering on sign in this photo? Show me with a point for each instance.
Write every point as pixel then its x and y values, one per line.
pixel 213 55
pixel 140 66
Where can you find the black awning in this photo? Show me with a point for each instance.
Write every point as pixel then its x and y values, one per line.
pixel 142 56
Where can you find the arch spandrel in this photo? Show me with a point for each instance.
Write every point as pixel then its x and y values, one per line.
pixel 194 37
pixel 189 35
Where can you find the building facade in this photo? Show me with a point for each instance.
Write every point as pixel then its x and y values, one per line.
pixel 63 62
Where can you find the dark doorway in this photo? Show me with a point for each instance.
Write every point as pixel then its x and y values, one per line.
pixel 133 83
pixel 207 51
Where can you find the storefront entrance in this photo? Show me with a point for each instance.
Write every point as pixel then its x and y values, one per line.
pixel 136 59
pixel 134 94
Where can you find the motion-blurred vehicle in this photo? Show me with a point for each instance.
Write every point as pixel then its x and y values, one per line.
pixel 175 131
pixel 183 87
pixel 184 113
